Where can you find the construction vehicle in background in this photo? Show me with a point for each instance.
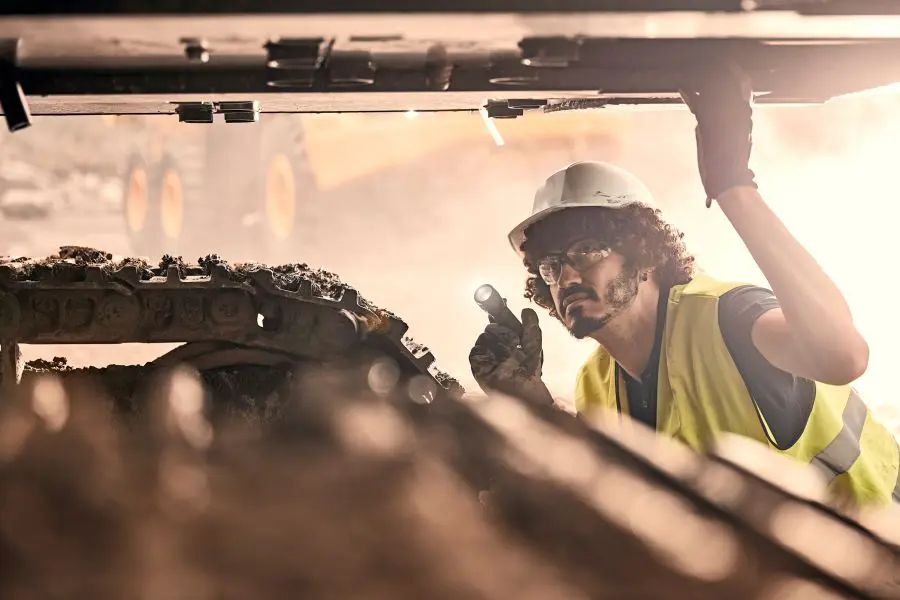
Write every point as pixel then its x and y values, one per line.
pixel 292 182
pixel 274 180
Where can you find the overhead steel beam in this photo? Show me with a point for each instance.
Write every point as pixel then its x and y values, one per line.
pixel 222 7
pixel 324 77
pixel 829 7
pixel 218 7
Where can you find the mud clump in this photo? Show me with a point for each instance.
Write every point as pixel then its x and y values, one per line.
pixel 168 260
pixel 139 264
pixel 83 255
pixel 324 283
pixel 67 265
pixel 58 364
pixel 448 382
pixel 211 261
pixel 289 277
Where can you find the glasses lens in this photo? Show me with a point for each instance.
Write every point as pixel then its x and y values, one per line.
pixel 549 270
pixel 586 254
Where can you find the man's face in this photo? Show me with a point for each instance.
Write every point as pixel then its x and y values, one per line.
pixel 593 285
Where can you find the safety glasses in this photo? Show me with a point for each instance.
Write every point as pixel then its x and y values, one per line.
pixel 581 255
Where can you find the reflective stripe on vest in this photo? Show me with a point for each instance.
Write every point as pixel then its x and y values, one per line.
pixel 702 394
pixel 838 456
pixel 897 485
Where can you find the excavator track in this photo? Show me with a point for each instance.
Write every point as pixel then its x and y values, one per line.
pixel 85 296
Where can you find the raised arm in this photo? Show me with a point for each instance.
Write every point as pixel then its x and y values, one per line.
pixel 812 334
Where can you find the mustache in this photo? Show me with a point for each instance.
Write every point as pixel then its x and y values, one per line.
pixel 567 293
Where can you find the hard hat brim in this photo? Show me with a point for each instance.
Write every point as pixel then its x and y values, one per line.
pixel 517 235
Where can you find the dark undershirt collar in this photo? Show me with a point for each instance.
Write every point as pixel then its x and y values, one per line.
pixel 642 394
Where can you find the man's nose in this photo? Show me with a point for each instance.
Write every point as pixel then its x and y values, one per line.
pixel 568 275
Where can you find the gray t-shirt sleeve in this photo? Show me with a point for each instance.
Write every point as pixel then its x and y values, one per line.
pixel 784 400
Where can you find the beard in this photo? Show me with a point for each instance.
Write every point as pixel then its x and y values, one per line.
pixel 618 295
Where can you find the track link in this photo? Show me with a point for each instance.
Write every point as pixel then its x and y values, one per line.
pixel 84 296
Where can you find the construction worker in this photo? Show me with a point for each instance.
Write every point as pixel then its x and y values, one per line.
pixel 688 355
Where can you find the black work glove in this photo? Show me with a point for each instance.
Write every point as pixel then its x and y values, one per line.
pixel 503 361
pixel 721 99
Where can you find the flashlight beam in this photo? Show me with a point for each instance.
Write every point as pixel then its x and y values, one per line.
pixel 491 127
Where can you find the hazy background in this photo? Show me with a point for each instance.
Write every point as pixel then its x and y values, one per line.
pixel 413 209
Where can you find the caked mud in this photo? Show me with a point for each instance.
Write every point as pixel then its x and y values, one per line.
pixel 281 315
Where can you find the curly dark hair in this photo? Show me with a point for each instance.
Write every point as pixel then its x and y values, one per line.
pixel 637 232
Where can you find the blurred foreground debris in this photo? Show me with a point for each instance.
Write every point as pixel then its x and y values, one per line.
pixel 349 490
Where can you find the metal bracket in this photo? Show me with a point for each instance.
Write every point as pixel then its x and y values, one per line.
pixel 526 103
pixel 550 52
pixel 195 49
pixel 12 97
pixel 510 109
pixel 244 111
pixel 293 62
pixel 195 112
pixel 500 109
pixel 239 112
pixel 349 68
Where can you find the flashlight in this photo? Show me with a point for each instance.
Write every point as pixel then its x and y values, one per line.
pixel 490 302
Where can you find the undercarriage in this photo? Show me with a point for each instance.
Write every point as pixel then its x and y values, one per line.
pixel 227 316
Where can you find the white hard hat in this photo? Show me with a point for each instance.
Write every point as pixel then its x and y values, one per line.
pixel 585 183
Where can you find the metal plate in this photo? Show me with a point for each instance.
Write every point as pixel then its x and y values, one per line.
pixel 434 62
pixel 400 75
pixel 160 33
pixel 49 7
pixel 131 7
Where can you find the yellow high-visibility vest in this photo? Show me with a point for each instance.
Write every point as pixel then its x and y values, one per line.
pixel 701 394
